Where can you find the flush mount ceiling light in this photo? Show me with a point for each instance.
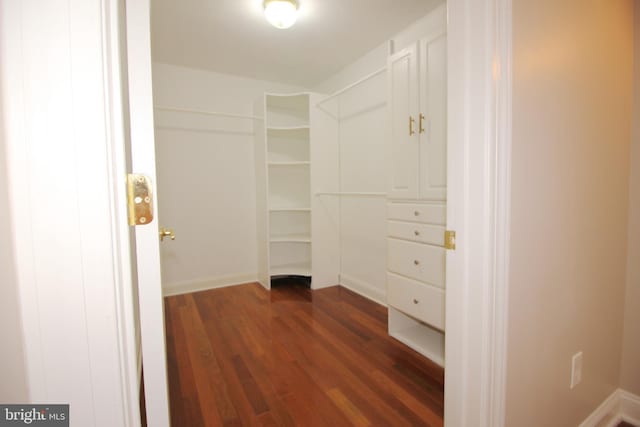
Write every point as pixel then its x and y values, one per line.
pixel 281 13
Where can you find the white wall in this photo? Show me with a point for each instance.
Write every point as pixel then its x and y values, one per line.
pixel 630 372
pixel 572 93
pixel 361 114
pixel 13 387
pixel 361 134
pixel 377 57
pixel 206 176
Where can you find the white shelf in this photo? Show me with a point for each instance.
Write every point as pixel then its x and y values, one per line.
pixel 294 163
pixel 293 269
pixel 286 169
pixel 290 238
pixel 300 131
pixel 422 338
pixel 350 194
pixel 288 209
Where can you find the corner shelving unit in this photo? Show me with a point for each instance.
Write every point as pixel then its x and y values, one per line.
pixel 283 174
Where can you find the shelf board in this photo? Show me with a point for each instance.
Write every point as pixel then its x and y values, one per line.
pixel 292 129
pixel 294 163
pixel 291 209
pixel 290 238
pixel 296 269
pixel 424 340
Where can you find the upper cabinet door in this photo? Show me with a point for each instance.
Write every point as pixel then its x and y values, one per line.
pixel 403 127
pixel 433 118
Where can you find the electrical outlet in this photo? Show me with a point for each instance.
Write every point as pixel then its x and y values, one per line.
pixel 576 369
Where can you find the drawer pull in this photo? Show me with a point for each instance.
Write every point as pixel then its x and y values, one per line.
pixel 416 262
pixel 416 213
pixel 417 233
pixel 415 301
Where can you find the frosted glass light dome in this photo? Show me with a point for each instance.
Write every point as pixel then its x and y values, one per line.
pixel 281 13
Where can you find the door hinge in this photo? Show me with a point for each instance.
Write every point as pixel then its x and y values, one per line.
pixel 450 240
pixel 139 199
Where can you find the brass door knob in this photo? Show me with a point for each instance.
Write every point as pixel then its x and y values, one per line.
pixel 166 232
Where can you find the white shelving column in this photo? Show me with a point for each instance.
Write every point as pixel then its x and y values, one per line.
pixel 283 172
pixel 296 155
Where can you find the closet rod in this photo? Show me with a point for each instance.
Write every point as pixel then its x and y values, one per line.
pixel 352 85
pixel 210 113
pixel 353 194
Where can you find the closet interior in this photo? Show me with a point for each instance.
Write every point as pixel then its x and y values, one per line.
pixel 341 183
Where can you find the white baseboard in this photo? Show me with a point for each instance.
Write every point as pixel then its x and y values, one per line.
pixel 619 406
pixel 179 288
pixel 630 407
pixel 364 289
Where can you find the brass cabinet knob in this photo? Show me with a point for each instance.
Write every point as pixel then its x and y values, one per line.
pixel 166 232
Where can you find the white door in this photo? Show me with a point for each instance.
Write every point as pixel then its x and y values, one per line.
pixel 432 118
pixel 403 137
pixel 147 248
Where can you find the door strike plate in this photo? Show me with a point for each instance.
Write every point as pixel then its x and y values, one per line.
pixel 450 240
pixel 139 199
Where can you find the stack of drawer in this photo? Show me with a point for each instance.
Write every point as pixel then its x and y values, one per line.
pixel 416 260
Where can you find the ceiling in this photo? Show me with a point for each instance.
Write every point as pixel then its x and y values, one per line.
pixel 232 36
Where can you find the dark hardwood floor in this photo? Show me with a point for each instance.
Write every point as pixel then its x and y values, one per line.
pixel 243 356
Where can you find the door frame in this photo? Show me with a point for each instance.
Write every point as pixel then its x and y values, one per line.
pixel 479 63
pixel 479 60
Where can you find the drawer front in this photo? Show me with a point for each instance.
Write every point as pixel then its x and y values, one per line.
pixel 421 233
pixel 424 302
pixel 417 261
pixel 425 213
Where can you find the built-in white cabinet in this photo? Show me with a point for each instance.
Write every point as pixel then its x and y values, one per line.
pixel 416 275
pixel 283 185
pixel 416 212
pixel 417 90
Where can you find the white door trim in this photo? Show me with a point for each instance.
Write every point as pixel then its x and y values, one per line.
pixel 114 66
pixel 479 35
pixel 502 206
pixel 143 161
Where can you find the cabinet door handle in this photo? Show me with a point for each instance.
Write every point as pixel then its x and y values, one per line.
pixel 416 213
pixel 411 123
pixel 416 262
pixel 417 233
pixel 421 125
pixel 415 301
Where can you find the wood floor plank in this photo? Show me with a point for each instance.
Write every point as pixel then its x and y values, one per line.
pixel 354 370
pixel 349 409
pixel 246 356
pixel 187 399
pixel 214 401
